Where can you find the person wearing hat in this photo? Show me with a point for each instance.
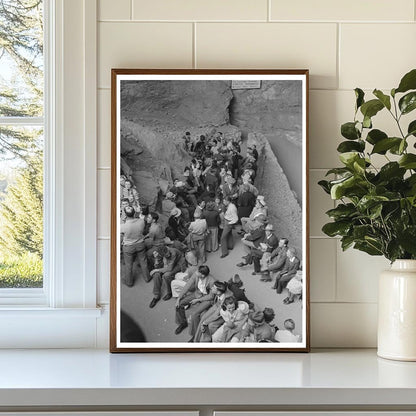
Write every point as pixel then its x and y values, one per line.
pixel 252 239
pixel 235 315
pixel 177 229
pixel 265 248
pixel 198 294
pixel 259 208
pixel 270 265
pixel 168 203
pixel 256 329
pixel 235 285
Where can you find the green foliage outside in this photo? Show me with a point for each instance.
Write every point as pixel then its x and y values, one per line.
pixel 25 271
pixel 21 95
pixel 376 210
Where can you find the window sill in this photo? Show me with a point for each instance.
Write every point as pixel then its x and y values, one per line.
pixel 328 379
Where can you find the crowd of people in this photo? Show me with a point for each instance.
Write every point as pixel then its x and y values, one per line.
pixel 202 212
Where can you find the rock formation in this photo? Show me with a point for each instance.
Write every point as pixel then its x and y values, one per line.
pixel 156 114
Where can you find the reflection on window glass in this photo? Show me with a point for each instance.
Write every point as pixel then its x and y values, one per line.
pixel 21 146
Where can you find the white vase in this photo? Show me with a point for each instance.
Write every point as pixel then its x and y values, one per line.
pixel 397 312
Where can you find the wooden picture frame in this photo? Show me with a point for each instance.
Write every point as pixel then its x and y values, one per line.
pixel 161 163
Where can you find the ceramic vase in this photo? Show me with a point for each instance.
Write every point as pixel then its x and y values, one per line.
pixel 397 312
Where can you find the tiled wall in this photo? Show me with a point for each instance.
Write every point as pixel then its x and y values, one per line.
pixel 345 44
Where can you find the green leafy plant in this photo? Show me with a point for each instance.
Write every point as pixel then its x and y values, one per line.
pixel 376 210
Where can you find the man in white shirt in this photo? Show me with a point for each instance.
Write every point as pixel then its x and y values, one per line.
pixel 230 219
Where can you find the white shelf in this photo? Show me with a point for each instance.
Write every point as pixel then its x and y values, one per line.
pixel 56 378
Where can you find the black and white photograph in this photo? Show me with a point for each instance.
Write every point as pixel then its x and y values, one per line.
pixel 209 234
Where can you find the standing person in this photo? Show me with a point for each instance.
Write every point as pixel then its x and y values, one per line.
pixel 197 291
pixel 177 229
pixel 246 202
pixel 197 234
pixel 212 217
pixel 156 236
pixel 133 245
pixel 230 219
pixel 131 194
pixel 173 261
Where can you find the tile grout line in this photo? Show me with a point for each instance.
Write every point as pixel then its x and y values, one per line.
pixel 194 62
pixel 269 11
pixel 338 64
pixel 131 9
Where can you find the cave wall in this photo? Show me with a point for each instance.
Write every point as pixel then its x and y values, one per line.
pixel 274 110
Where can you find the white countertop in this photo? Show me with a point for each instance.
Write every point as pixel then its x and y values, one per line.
pixel 96 377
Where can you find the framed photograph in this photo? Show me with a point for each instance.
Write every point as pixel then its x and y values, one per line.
pixel 209 211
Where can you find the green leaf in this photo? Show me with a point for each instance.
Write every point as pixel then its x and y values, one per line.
pixel 325 186
pixel 407 240
pixel 349 146
pixel 333 229
pixel 385 99
pixel 400 148
pixel 408 161
pixel 367 122
pixel 368 248
pixel 349 131
pixel 342 211
pixel 346 242
pixel 371 108
pixel 359 95
pixel 348 158
pixel 408 102
pixel 391 170
pixel 375 212
pixel 374 136
pixel 338 189
pixel 361 231
pixel 383 145
pixel 411 130
pixel 338 171
pixel 408 82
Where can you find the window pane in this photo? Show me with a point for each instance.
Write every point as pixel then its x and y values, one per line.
pixel 21 207
pixel 21 58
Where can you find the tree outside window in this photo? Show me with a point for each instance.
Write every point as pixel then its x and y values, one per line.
pixel 21 143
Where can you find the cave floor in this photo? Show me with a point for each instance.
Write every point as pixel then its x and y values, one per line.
pixel 158 324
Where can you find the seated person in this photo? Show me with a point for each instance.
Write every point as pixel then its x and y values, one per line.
pixel 235 315
pixel 288 271
pixel 181 278
pixel 177 228
pixel 294 287
pixel 287 334
pixel 197 291
pixel 275 262
pixel 256 329
pixel 163 276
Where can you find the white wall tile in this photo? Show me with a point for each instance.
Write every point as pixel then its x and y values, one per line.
pixel 357 275
pixel 346 325
pixel 323 269
pixel 376 55
pixel 142 45
pixel 319 203
pixel 340 10
pixel 103 271
pixel 200 10
pixel 114 10
pixel 104 202
pixel 104 129
pixel 272 45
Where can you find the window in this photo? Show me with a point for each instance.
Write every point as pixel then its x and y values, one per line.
pixel 64 312
pixel 22 128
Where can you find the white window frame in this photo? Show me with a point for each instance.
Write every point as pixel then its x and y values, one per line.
pixel 67 304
